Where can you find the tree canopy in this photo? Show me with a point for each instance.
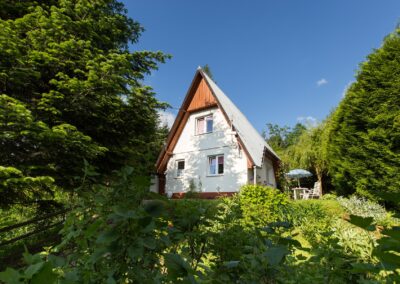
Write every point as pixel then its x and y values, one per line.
pixel 364 139
pixel 72 90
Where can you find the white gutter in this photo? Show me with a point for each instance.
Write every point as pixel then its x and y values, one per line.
pixel 255 174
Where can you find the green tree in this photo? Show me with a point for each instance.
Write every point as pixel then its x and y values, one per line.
pixel 364 140
pixel 280 138
pixel 29 145
pixel 65 66
pixel 309 151
pixel 207 70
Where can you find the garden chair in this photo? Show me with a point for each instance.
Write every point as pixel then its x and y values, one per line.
pixel 312 193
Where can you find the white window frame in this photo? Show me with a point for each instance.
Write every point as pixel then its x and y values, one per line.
pixel 204 117
pixel 216 165
pixel 179 172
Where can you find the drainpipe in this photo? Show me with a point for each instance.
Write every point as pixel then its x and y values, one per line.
pixel 255 174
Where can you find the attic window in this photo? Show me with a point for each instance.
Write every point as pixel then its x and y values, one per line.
pixel 204 124
pixel 180 167
pixel 216 165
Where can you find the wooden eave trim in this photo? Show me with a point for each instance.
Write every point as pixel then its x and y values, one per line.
pixel 178 121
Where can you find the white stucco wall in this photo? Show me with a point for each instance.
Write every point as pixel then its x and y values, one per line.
pixel 265 174
pixel 195 149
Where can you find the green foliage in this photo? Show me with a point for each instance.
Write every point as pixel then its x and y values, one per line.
pixel 365 208
pixel 364 148
pixel 39 269
pixel 279 138
pixel 309 151
pixel 207 69
pixel 193 191
pixel 71 90
pixel 116 235
pixel 36 154
pixel 261 205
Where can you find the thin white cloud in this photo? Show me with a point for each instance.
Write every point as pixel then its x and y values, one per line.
pixel 346 88
pixel 321 82
pixel 166 118
pixel 308 121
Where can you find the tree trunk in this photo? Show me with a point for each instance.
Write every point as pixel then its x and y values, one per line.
pixel 320 179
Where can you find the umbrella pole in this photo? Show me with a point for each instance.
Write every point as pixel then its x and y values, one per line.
pixel 298 182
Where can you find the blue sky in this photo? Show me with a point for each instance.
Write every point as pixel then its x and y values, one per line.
pixel 279 61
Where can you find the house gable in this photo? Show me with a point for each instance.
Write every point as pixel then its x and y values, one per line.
pixel 203 93
pixel 199 97
pixel 202 98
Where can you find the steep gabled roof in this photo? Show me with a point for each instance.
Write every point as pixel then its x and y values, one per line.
pixel 254 145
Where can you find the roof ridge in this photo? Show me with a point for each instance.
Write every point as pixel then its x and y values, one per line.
pixel 255 144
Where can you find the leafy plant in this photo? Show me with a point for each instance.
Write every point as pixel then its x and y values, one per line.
pixel 261 205
pixel 362 207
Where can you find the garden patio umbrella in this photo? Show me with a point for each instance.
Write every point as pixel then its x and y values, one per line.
pixel 298 173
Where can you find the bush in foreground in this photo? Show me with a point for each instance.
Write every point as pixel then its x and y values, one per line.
pixel 261 205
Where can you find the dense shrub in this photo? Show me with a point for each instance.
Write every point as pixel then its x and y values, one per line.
pixel 117 236
pixel 364 139
pixel 261 205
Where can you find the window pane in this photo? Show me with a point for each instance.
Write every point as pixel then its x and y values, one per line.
pixel 220 164
pixel 220 168
pixel 213 165
pixel 209 120
pixel 180 168
pixel 200 126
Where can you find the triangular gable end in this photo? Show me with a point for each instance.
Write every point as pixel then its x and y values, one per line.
pixel 198 97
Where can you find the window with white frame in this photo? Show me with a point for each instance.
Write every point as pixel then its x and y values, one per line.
pixel 216 165
pixel 204 124
pixel 180 167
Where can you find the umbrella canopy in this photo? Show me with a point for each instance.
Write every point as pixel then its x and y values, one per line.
pixel 298 173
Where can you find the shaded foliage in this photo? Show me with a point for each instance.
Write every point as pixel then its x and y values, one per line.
pixel 71 90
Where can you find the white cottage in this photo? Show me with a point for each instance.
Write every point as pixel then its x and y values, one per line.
pixel 212 147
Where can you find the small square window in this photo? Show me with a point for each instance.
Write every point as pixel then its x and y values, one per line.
pixel 204 124
pixel 180 167
pixel 216 165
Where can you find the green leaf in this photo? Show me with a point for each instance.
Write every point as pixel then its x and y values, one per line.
pixel 10 276
pixel 231 264
pixel 393 232
pixel 32 258
pixel 107 237
pixel 362 222
pixel 154 207
pixel 149 243
pixel 45 275
pixel 33 269
pixel 110 280
pixel 92 228
pixel 275 255
pixel 363 268
pixel 177 266
pixel 145 221
pixel 71 277
pixel 56 260
pixel 388 257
